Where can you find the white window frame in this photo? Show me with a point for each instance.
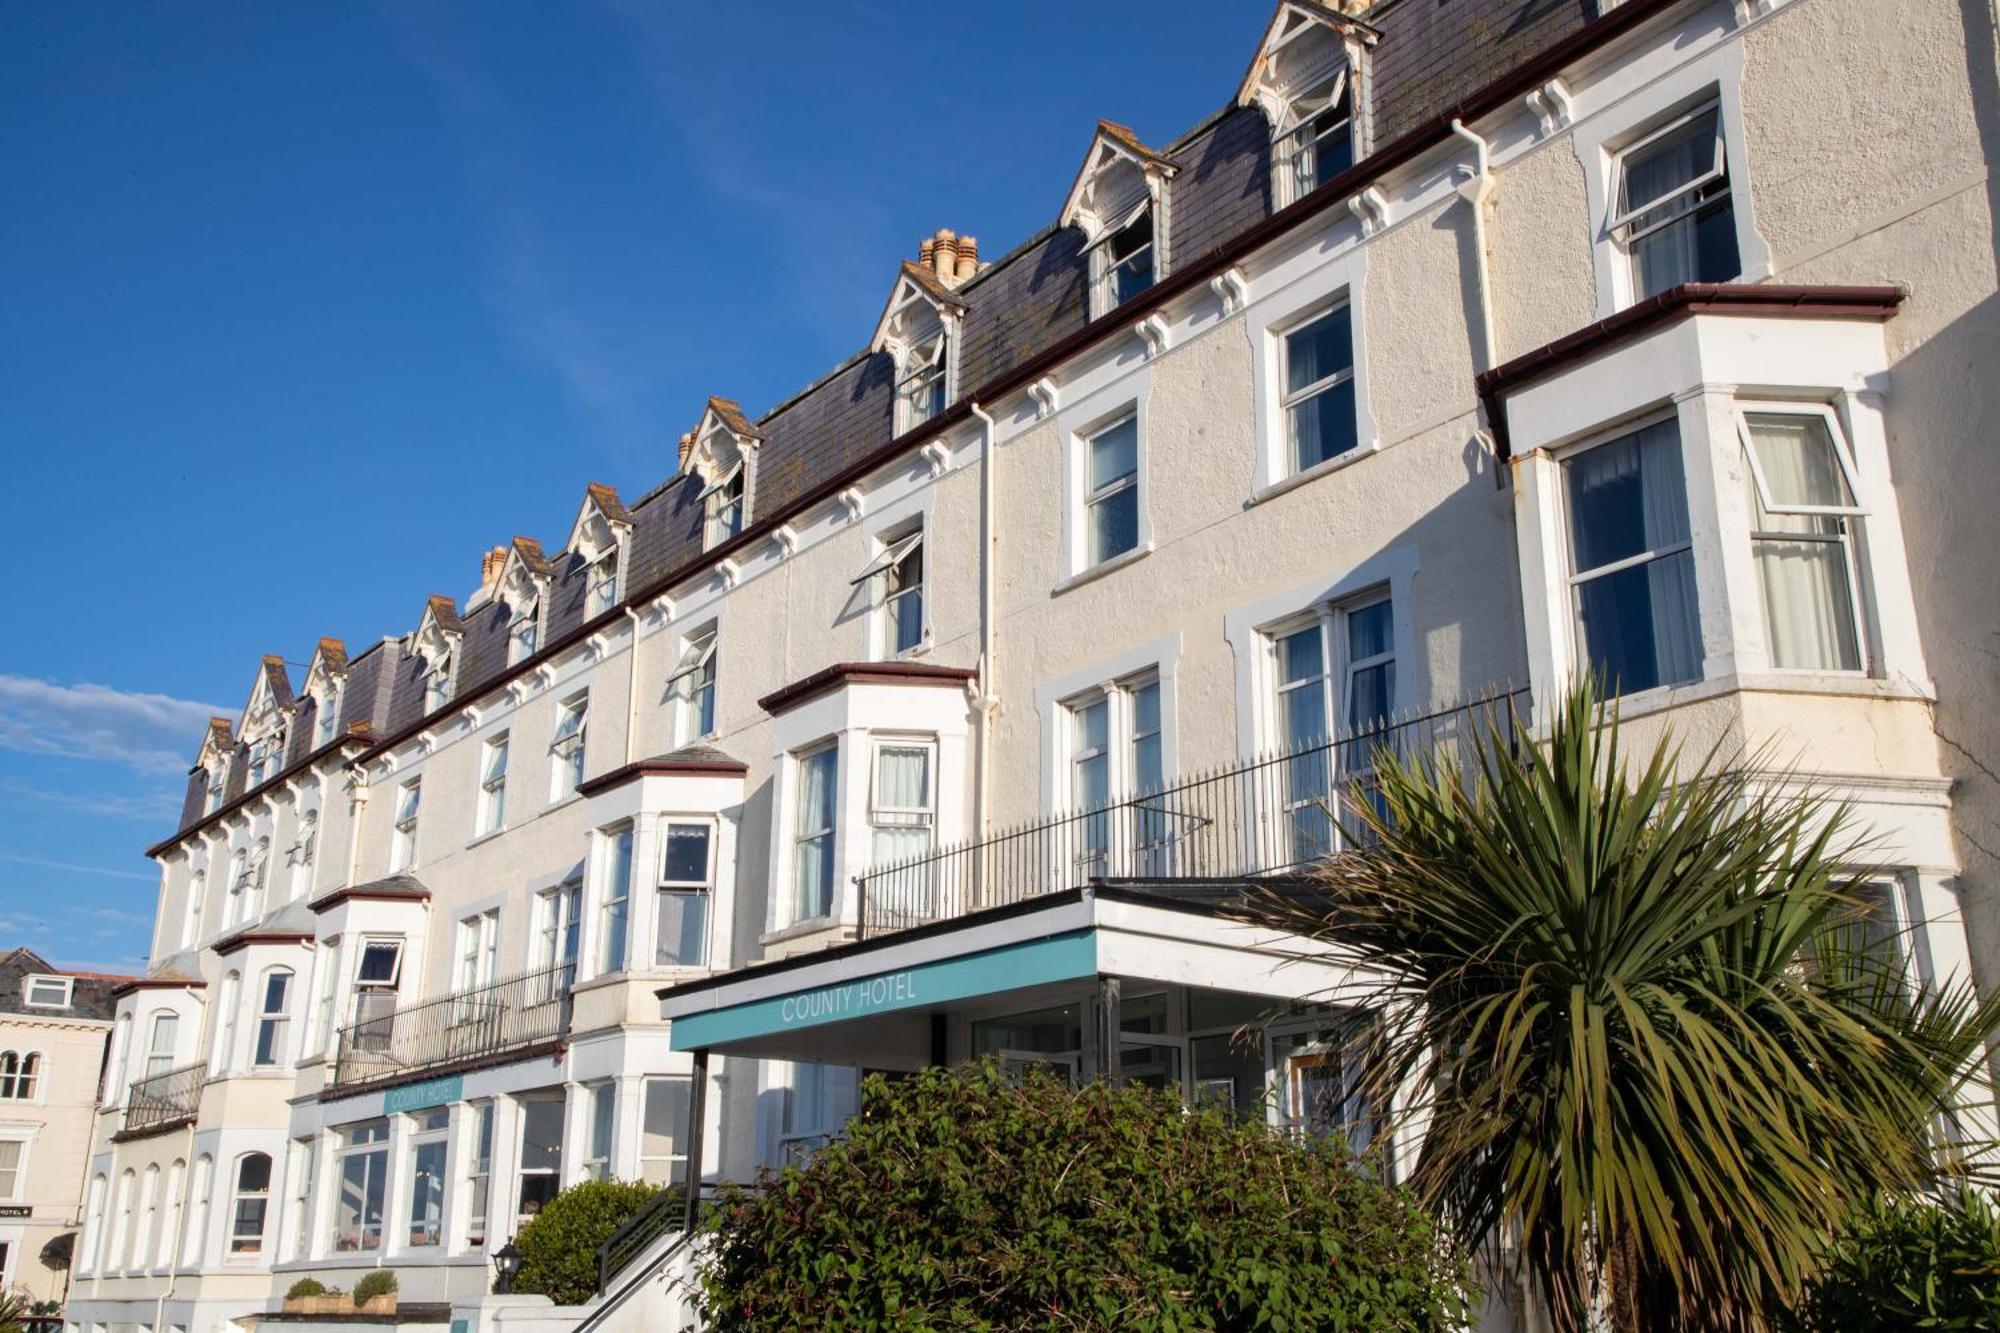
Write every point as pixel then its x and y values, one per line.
pixel 235 1249
pixel 663 886
pixel 882 815
pixel 478 957
pixel 524 631
pixel 65 987
pixel 197 893
pixel 166 1021
pixel 601 584
pixel 11 1190
pixel 1090 497
pixel 278 1020
pixel 1293 124
pixel 568 743
pixel 723 514
pixel 1853 534
pixel 218 785
pixel 1289 400
pixel 303 854
pixel 694 674
pixel 430 1127
pixel 409 808
pixel 437 684
pixel 1103 270
pixel 678 1156
pixel 349 1148
pixel 224 1057
pixel 615 903
pixel 883 571
pixel 558 914
pixel 326 717
pixel 600 1129
pixel 493 784
pixel 922 369
pixel 1619 220
pixel 801 837
pixel 481 1131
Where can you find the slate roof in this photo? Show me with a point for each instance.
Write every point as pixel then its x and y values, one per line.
pixel 1430 59
pixel 90 992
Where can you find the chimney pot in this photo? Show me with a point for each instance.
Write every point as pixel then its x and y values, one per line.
pixel 968 257
pixel 490 566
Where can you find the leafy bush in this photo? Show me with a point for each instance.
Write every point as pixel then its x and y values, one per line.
pixel 381 1282
pixel 1910 1263
pixel 305 1286
pixel 559 1244
pixel 961 1199
pixel 14 1312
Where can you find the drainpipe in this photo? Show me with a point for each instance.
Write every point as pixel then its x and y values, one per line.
pixel 988 699
pixel 1477 190
pixel 632 683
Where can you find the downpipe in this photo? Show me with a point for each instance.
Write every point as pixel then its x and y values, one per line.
pixel 1478 190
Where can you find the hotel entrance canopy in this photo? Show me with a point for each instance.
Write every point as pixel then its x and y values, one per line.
pixel 889 1003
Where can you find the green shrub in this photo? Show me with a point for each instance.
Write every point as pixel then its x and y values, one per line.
pixel 381 1282
pixel 961 1199
pixel 305 1286
pixel 1909 1263
pixel 559 1244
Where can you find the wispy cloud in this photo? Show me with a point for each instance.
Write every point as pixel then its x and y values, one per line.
pixel 144 807
pixel 75 868
pixel 152 733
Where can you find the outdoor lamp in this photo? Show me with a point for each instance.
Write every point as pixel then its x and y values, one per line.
pixel 506 1263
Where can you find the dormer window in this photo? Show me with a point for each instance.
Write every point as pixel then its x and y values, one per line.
pixel 217 784
pixel 46 992
pixel 920 383
pixel 722 507
pixel 1121 260
pixel 264 759
pixel 1120 202
pixel 437 684
pixel 326 717
pixel 1315 140
pixel 601 584
pixel 522 633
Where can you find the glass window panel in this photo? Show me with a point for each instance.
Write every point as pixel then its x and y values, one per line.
pixel 1321 349
pixel 686 857
pixel 1639 624
pixel 1798 461
pixel 1114 453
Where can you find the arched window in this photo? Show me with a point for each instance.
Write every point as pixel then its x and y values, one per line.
pixel 303 853
pixel 225 1023
pixel 114 1068
pixel 239 886
pixel 251 1201
pixel 166 1036
pixel 147 1235
pixel 273 1019
pixel 93 1225
pixel 121 1236
pixel 176 1189
pixel 31 1070
pixel 204 1192
pixel 260 878
pixel 196 892
pixel 10 1076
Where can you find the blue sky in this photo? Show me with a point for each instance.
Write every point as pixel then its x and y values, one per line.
pixel 302 306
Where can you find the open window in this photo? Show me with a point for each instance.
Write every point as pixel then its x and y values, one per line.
pixel 566 748
pixel 1805 522
pixel 895 578
pixel 598 540
pixel 693 679
pixel 377 973
pixel 403 845
pixel 1119 200
pixel 719 452
pixel 919 327
pixel 1305 78
pixel 1672 214
pixel 686 888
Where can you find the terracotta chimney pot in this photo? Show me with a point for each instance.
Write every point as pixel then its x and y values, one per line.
pixel 968 257
pixel 491 564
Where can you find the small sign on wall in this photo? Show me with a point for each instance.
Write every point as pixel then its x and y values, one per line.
pixel 420 1096
pixel 16 1210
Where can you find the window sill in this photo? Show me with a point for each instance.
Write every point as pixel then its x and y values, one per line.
pixel 817 925
pixel 1271 490
pixel 1102 567
pixel 567 798
pixel 1644 703
pixel 488 837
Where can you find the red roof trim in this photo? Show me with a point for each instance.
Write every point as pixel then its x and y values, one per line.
pixel 1766 301
pixel 160 983
pixel 646 768
pixel 842 674
pixel 366 895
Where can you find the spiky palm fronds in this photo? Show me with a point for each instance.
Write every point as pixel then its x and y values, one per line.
pixel 1651 1048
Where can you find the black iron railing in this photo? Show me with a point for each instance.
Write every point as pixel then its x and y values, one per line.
pixel 1282 811
pixel 507 1015
pixel 164 1099
pixel 664 1212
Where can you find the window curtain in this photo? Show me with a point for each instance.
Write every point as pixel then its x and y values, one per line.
pixel 814 871
pixel 1671 255
pixel 1669 580
pixel 1808 609
pixel 902 782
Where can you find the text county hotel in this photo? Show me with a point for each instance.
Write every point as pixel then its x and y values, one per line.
pixel 1470 344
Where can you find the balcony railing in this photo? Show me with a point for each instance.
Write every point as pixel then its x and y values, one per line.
pixel 519 1012
pixel 1280 812
pixel 160 1100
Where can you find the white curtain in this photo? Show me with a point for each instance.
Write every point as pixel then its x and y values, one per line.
pixel 1671 255
pixel 1807 604
pixel 814 872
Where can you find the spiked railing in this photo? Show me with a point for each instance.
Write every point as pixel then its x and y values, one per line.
pixel 521 1011
pixel 1279 812
pixel 164 1099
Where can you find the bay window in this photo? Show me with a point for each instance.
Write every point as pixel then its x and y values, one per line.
pixel 273 1019
pixel 615 912
pixel 814 832
pixel 1632 561
pixel 250 1203
pixel 429 1142
pixel 902 808
pixel 541 1152
pixel 375 979
pixel 687 877
pixel 165 1036
pixel 363 1167
pixel 479 1175
pixel 601 1105
pixel 662 1159
pixel 1672 213
pixel 1804 517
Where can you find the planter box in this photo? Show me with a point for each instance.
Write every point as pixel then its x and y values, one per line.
pixel 384 1304
pixel 331 1303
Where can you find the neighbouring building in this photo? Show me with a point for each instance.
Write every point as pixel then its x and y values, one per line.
pixel 1465 347
pixel 53 1026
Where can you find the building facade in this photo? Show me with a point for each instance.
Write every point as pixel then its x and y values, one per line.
pixel 1466 348
pixel 53 1027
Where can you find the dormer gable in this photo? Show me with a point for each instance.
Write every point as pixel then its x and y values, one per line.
pixel 218 746
pixel 265 714
pixel 920 327
pixel 1120 202
pixel 598 539
pixel 436 642
pixel 1306 77
pixel 522 587
pixel 325 675
pixel 721 451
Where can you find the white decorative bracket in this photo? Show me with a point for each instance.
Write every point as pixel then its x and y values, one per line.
pixel 1371 207
pixel 1231 289
pixel 542 677
pixel 387 768
pixel 1552 106
pixel 517 690
pixel 660 610
pixel 850 500
pixel 1044 394
pixel 729 570
pixel 426 742
pixel 937 455
pixel 473 715
pixel 1153 330
pixel 1749 11
pixel 786 539
pixel 597 647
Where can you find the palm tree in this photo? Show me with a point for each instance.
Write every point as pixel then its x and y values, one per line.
pixel 1652 1049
